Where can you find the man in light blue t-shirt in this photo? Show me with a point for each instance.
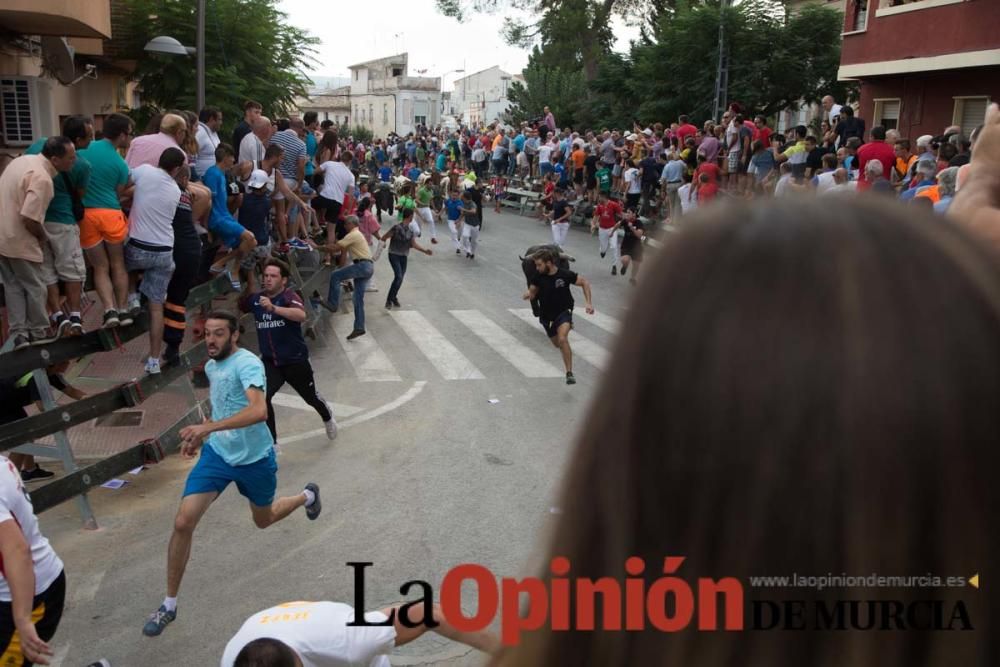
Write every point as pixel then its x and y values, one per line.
pixel 238 447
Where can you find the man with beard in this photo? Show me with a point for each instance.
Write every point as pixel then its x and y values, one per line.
pixel 238 447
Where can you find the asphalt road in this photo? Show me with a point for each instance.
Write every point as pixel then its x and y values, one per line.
pixel 456 426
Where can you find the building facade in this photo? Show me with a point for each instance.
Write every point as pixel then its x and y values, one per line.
pixel 923 65
pixel 33 102
pixel 481 98
pixel 385 99
pixel 329 104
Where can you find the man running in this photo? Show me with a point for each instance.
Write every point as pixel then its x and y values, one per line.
pixel 317 633
pixel 561 210
pixel 605 221
pixel 239 448
pixel 279 314
pixel 551 287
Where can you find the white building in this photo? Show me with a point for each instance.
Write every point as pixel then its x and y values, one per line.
pixel 481 98
pixel 386 99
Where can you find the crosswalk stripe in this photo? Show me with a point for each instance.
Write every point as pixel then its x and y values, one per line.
pixel 599 319
pixel 588 350
pixel 370 362
pixel 446 358
pixel 506 345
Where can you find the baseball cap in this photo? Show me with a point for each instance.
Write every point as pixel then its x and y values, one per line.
pixel 258 179
pixel 648 132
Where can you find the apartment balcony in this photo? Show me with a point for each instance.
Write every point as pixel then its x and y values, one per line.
pixel 429 84
pixel 65 18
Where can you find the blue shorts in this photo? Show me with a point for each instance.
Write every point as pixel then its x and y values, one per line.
pixel 552 328
pixel 545 168
pixel 228 231
pixel 256 481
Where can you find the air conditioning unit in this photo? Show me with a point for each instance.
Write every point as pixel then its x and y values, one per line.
pixel 25 104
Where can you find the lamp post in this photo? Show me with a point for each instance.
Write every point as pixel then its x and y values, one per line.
pixel 169 46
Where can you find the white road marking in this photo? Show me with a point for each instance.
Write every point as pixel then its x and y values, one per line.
pixel 588 350
pixel 401 400
pixel 295 402
pixel 85 591
pixel 446 358
pixel 506 345
pixel 369 360
pixel 600 320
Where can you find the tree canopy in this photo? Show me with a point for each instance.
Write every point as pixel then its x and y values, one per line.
pixel 251 52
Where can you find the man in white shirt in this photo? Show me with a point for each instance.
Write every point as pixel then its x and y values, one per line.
pixel 209 122
pixel 253 145
pixel 151 242
pixel 832 110
pixel 317 634
pixel 32 583
pixel 337 180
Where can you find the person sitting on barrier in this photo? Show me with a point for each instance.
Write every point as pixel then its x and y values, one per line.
pixel 16 393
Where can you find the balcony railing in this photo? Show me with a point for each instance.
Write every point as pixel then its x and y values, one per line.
pixel 405 83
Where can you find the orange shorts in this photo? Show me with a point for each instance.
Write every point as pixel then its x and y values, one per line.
pixel 102 224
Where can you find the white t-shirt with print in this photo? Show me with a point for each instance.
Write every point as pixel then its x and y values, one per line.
pixel 15 505
pixel 632 177
pixel 319 634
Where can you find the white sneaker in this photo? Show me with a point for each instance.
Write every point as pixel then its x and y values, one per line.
pixel 371 288
pixel 331 426
pixel 153 366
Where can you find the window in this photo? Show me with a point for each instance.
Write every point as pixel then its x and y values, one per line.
pixel 887 113
pixel 970 112
pixel 371 114
pixel 420 120
pixel 397 71
pixel 385 113
pixel 859 12
pixel 355 75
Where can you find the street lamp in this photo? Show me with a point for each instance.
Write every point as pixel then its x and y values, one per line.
pixel 169 46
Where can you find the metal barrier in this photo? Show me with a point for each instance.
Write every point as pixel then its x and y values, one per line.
pixel 19 436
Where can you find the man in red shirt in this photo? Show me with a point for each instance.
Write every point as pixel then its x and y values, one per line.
pixel 605 221
pixel 762 132
pixel 876 149
pixel 685 130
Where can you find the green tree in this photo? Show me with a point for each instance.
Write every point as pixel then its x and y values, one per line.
pixel 562 90
pixel 251 52
pixel 578 31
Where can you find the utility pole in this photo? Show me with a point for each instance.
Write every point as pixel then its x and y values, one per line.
pixel 722 71
pixel 200 46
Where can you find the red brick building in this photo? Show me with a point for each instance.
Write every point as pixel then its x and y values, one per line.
pixel 923 64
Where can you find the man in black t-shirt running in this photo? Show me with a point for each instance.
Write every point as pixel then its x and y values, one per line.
pixel 551 287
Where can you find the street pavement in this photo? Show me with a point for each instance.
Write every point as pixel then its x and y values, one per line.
pixel 456 423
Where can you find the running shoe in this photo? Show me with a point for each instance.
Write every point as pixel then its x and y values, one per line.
pixel 36 473
pixel 312 511
pixel 458 251
pixel 434 240
pixel 371 288
pixel 570 378
pixel 388 305
pixel 153 366
pixel 331 425
pixel 110 319
pixel 21 341
pixel 134 306
pixel 624 268
pixel 395 302
pixel 75 325
pixel 299 244
pixel 61 325
pixel 355 334
pixel 157 621
pixel 614 271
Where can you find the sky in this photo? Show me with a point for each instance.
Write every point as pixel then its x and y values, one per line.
pixel 353 32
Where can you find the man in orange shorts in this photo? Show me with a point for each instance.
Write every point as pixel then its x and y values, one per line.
pixel 104 228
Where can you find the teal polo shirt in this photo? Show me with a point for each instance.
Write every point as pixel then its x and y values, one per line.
pixel 107 171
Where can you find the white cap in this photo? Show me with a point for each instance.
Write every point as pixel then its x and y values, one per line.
pixel 648 132
pixel 924 140
pixel 632 137
pixel 258 179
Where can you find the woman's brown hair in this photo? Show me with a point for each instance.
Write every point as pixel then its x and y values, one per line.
pixel 799 387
